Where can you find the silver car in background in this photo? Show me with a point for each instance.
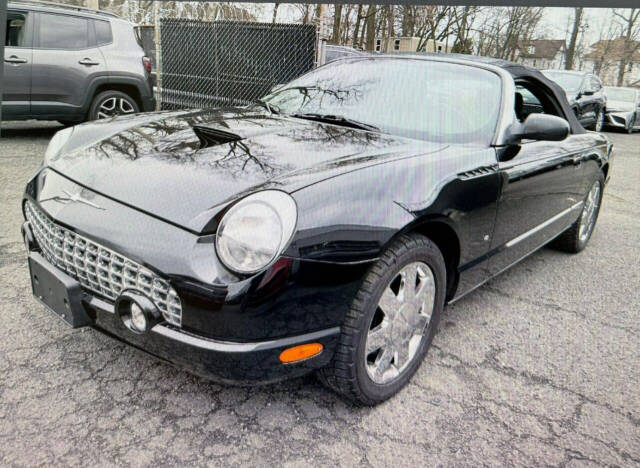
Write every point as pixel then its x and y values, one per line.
pixel 622 108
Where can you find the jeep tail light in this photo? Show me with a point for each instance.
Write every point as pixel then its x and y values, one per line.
pixel 146 62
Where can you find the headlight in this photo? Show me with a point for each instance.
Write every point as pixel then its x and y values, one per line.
pixel 256 230
pixel 56 143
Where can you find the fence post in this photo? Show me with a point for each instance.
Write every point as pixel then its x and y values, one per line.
pixel 158 41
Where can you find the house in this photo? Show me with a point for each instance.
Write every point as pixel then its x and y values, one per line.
pixel 544 54
pixel 604 60
pixel 409 44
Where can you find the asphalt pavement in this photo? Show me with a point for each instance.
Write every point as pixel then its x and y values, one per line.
pixel 541 366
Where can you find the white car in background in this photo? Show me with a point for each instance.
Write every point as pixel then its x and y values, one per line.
pixel 622 108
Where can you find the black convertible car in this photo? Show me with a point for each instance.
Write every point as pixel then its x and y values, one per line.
pixel 323 227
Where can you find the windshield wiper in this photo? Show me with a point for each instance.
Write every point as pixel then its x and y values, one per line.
pixel 273 109
pixel 338 120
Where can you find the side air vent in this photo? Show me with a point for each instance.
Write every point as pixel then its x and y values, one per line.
pixel 479 172
pixel 210 136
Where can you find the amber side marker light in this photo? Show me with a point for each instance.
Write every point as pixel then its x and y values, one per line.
pixel 300 353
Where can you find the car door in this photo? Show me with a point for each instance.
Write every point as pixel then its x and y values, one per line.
pixel 16 86
pixel 65 62
pixel 542 188
pixel 637 119
pixel 589 101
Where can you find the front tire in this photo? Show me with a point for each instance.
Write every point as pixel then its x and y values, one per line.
pixel 391 323
pixel 575 239
pixel 631 125
pixel 109 104
pixel 597 126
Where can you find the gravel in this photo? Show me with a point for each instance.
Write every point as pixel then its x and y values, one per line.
pixel 539 366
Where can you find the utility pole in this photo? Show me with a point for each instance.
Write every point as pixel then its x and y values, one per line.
pixel 158 44
pixel 3 34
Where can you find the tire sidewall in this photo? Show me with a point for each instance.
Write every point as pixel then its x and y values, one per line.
pixel 379 392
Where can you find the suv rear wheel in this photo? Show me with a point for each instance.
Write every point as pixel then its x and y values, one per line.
pixel 111 104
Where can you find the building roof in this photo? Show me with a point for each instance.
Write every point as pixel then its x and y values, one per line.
pixel 542 48
pixel 613 50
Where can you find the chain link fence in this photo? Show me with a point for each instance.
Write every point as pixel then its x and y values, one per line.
pixel 219 63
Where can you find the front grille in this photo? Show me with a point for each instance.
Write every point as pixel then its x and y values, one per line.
pixel 98 268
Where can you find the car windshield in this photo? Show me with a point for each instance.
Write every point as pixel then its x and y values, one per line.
pixel 428 100
pixel 570 82
pixel 621 94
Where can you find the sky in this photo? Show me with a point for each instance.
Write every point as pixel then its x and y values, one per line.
pixel 555 24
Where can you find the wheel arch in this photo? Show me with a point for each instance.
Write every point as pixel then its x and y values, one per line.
pixel 443 234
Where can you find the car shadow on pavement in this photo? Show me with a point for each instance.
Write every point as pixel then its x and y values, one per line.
pixel 10 130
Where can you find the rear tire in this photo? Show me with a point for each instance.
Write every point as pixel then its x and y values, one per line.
pixel 109 104
pixel 575 239
pixel 391 323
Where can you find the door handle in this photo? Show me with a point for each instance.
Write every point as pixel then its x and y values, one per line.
pixel 15 59
pixel 87 61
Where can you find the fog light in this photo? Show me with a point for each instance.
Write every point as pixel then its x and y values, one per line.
pixel 137 311
pixel 138 320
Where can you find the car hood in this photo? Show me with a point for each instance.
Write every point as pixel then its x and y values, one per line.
pixel 184 166
pixel 619 106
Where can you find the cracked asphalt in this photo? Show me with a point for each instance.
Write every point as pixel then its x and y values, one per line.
pixel 539 367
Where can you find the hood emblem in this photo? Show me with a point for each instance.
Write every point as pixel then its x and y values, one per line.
pixel 77 197
pixel 73 197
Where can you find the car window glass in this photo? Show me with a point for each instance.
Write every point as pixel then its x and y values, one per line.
pixel 570 82
pixel 16 28
pixel 63 32
pixel 103 32
pixel 595 84
pixel 527 103
pixel 434 101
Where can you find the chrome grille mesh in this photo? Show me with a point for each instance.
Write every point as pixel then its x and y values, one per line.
pixel 98 268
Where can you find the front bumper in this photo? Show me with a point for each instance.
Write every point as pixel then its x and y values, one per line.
pixel 228 362
pixel 617 119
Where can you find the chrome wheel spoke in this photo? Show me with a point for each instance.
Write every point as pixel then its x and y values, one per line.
pixel 408 287
pixel 402 355
pixel 377 338
pixel 389 303
pixel 382 363
pixel 421 323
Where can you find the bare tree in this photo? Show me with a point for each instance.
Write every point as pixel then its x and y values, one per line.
pixel 370 26
pixel 630 31
pixel 571 48
pixel 337 19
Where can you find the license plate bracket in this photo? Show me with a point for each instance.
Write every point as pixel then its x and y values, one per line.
pixel 56 290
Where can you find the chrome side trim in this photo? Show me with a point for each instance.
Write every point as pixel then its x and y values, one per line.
pixel 231 347
pixel 539 227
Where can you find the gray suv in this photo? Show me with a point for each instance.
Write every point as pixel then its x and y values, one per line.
pixel 72 64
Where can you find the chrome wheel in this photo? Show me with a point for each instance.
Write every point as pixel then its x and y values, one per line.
pixel 589 212
pixel 113 106
pixel 398 324
pixel 599 121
